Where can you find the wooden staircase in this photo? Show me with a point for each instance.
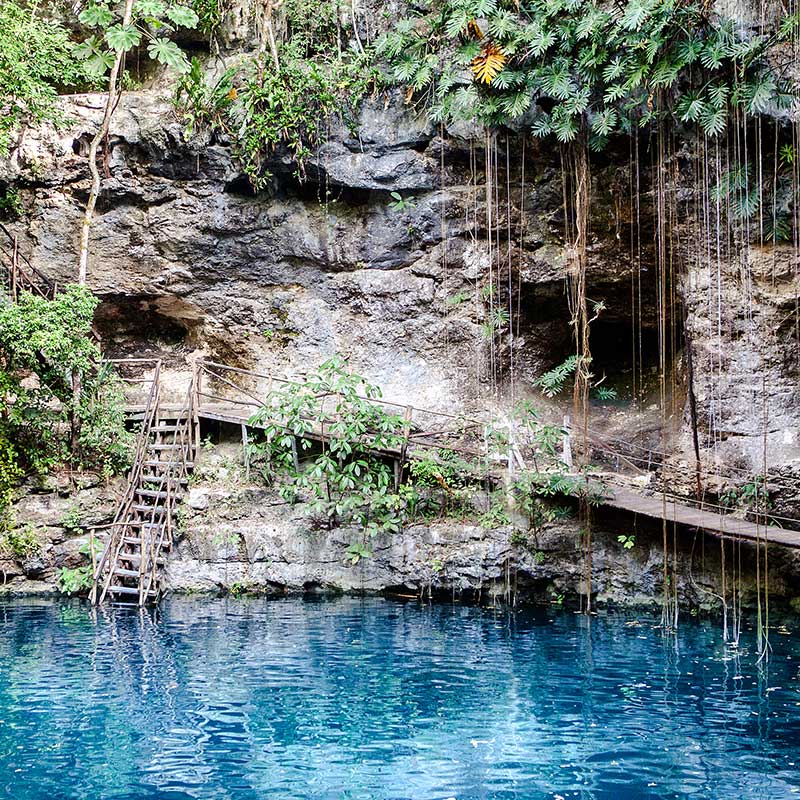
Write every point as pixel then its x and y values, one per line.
pixel 129 569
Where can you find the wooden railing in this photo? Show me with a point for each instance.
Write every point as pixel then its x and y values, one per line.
pixel 19 275
pixel 121 521
pixel 235 394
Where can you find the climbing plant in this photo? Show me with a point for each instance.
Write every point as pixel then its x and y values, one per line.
pixel 261 105
pixel 581 65
pixel 116 34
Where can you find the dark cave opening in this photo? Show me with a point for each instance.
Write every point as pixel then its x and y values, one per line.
pixel 147 326
pixel 623 338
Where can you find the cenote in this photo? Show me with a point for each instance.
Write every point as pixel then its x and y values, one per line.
pixel 377 699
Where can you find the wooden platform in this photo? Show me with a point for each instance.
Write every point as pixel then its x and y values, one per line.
pixel 717 523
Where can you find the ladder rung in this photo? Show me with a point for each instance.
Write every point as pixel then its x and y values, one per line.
pixel 166 446
pixel 136 557
pixel 126 573
pixel 166 428
pixel 151 493
pixel 156 463
pixel 158 510
pixel 159 478
pixel 129 590
pixel 131 540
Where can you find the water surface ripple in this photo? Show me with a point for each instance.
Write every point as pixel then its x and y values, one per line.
pixel 377 700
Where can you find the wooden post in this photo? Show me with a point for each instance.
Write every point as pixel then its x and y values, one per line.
pixel 14 258
pixel 566 455
pixel 246 448
pixel 398 474
pixel 195 403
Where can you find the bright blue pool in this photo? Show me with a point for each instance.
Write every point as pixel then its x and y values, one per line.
pixel 249 699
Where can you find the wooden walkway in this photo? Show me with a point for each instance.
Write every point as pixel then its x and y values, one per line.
pixel 677 510
pixel 430 431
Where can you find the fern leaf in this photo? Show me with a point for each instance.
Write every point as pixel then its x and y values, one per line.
pixel 488 63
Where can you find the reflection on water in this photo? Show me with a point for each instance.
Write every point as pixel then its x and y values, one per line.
pixel 239 700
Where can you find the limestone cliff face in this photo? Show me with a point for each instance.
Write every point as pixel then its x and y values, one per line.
pixel 188 260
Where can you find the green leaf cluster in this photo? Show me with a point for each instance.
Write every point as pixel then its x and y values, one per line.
pixel 259 108
pixel 342 479
pixel 583 66
pixel 36 60
pixel 43 345
pixel 151 23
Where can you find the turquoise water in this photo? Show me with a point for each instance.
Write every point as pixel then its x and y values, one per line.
pixel 250 699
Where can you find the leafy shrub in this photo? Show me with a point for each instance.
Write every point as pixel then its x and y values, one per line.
pixel 21 542
pixel 73 581
pixel 260 108
pixel 44 343
pixel 36 57
pixel 10 203
pixel 345 483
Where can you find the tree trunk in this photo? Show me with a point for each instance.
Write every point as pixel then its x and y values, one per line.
pixel 111 101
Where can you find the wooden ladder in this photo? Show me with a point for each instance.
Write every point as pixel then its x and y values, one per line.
pixel 129 569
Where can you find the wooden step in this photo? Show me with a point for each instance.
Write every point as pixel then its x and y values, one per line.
pixel 156 463
pixel 167 428
pixel 151 493
pixel 159 477
pixel 123 589
pixel 158 510
pixel 131 540
pixel 136 558
pixel 140 524
pixel 126 573
pixel 129 590
pixel 167 446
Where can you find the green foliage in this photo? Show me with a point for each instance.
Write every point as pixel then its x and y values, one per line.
pixel 151 23
pixel 552 382
pixel 74 581
pixel 358 551
pixel 345 483
pixel 457 299
pixel 740 189
pixel 605 393
pixel 21 542
pixel 209 14
pixel 496 515
pixel 10 203
pixel 628 541
pixel 43 344
pixel 602 68
pixel 751 496
pixel 260 108
pixel 10 474
pixel 35 61
pixel 400 203
pixel 71 521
